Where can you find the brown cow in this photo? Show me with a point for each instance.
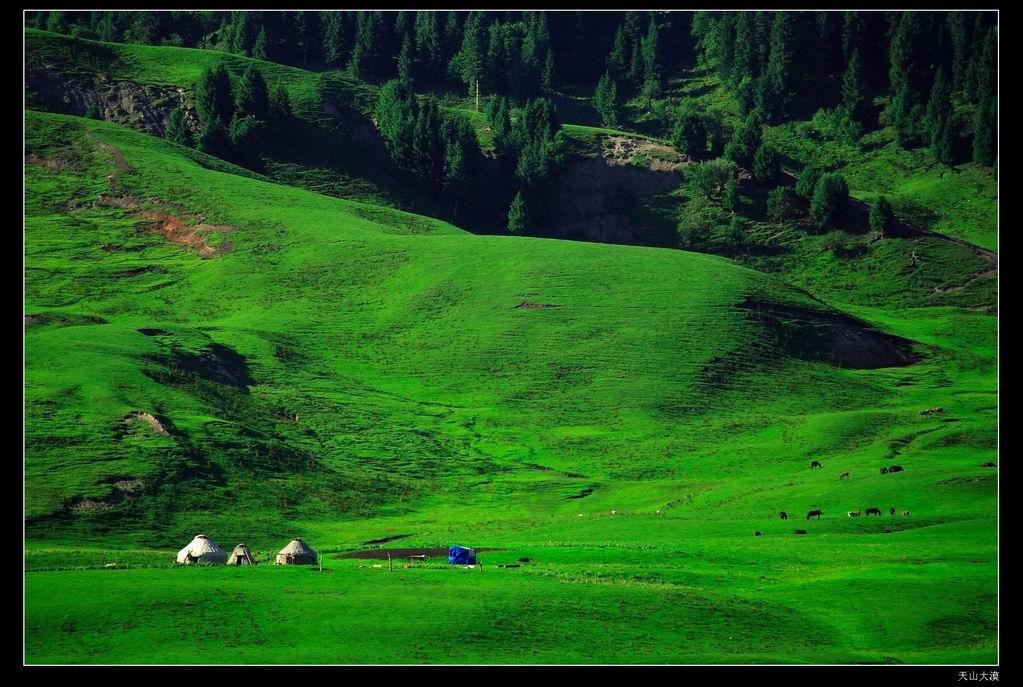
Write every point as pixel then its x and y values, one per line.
pixel 843 475
pixel 905 512
pixel 814 464
pixel 854 514
pixel 894 468
pixel 814 514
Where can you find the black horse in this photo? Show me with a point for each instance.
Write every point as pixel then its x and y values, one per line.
pixel 873 511
pixel 814 514
pixel 783 515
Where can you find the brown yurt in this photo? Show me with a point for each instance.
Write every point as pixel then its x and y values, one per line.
pixel 296 553
pixel 241 556
pixel 202 549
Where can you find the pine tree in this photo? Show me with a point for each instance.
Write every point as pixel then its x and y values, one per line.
pixel 605 100
pixel 853 90
pixel 214 100
pixel 213 139
pixel 830 197
pixel 765 164
pixel 517 217
pixel 396 114
pixel 498 116
pixel 881 216
pixel 244 136
pixel 745 141
pixel 429 48
pixel 470 61
pixel 177 130
pixel 960 28
pixel 547 80
pixel 653 57
pixel 252 97
pixel 807 182
pixel 261 48
pixel 938 120
pixel 368 59
pixel 405 60
pixel 279 110
pixel 618 60
pixel 779 83
pixel 744 59
pixel 427 146
pixel 731 198
pixel 689 135
pixel 985 131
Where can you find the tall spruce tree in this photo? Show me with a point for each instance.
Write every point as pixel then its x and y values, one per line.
pixel 985 131
pixel 252 97
pixel 938 120
pixel 854 99
pixel 605 100
pixel 517 215
pixel 214 100
pixel 177 130
pixel 779 83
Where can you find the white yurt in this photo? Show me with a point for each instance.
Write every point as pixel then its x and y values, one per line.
pixel 202 549
pixel 296 553
pixel 241 556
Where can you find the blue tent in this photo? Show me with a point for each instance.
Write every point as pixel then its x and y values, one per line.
pixel 459 555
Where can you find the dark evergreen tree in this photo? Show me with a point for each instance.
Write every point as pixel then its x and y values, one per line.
pixel 177 130
pixel 830 197
pixel 765 164
pixel 985 131
pixel 214 100
pixel 429 44
pixel 213 139
pixel 517 216
pixel 731 200
pixel 807 182
pixel 745 140
pixel 470 62
pixel 745 62
pixel 245 140
pixel 881 216
pixel 498 116
pixel 252 97
pixel 279 110
pixel 653 58
pixel 427 146
pixel 620 58
pixel 689 135
pixel 779 83
pixel 405 64
pixel 938 120
pixel 605 100
pixel 854 99
pixel 781 204
pixel 396 114
pixel 368 57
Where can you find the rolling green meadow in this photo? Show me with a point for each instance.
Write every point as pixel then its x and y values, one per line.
pixel 264 356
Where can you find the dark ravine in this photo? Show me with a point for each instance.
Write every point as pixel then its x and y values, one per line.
pixel 830 337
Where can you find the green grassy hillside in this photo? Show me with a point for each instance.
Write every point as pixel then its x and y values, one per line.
pixel 209 351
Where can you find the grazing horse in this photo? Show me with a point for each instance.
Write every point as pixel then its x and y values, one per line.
pixel 884 470
pixel 873 511
pixel 757 533
pixel 800 531
pixel 905 512
pixel 854 514
pixel 814 464
pixel 892 511
pixel 843 475
pixel 894 468
pixel 814 514
pixel 783 515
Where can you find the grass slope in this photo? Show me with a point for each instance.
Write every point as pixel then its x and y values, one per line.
pixel 349 372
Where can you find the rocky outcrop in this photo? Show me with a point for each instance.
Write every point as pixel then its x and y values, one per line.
pixel 123 102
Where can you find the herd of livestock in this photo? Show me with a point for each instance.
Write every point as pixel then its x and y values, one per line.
pixel 817 513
